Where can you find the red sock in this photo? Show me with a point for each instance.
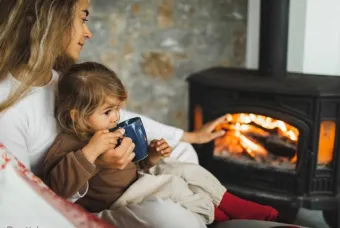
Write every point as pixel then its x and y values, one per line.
pixel 220 216
pixel 238 208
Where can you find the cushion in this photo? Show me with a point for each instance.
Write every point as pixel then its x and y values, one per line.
pixel 25 201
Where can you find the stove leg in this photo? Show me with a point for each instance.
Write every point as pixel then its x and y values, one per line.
pixel 287 214
pixel 332 218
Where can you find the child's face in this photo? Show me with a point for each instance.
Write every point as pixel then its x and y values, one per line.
pixel 105 116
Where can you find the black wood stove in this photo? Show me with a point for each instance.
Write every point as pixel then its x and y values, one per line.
pixel 282 141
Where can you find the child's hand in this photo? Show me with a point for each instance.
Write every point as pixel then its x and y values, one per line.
pixel 100 142
pixel 158 149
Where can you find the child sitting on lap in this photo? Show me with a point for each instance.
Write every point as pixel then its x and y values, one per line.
pixel 89 98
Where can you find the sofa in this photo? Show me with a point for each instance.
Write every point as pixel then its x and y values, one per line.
pixel 29 200
pixel 252 224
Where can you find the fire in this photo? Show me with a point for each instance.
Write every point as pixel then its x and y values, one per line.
pixel 255 136
pixel 267 140
pixel 326 141
pixel 252 147
pixel 244 119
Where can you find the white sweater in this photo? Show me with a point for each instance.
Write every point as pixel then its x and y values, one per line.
pixel 28 128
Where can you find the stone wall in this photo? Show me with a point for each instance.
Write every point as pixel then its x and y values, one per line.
pixel 153 45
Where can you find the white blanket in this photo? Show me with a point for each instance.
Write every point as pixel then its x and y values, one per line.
pixel 189 185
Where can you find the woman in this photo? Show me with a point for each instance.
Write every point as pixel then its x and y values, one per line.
pixel 36 37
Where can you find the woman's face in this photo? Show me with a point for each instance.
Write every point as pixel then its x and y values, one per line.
pixel 80 32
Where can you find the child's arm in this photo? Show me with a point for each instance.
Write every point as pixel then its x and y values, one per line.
pixel 66 172
pixel 69 164
pixel 157 150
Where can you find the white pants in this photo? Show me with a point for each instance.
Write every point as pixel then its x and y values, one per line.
pixel 157 213
pixel 188 184
pixel 153 213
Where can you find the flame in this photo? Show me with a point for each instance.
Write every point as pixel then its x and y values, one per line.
pixel 294 159
pixel 266 122
pixel 326 142
pixel 198 117
pixel 245 131
pixel 252 147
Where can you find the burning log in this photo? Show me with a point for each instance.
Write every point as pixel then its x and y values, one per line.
pixel 259 139
pixel 281 147
pixel 276 145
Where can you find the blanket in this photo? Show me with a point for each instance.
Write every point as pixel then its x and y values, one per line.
pixel 187 184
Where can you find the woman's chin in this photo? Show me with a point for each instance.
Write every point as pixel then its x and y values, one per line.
pixel 65 61
pixel 74 57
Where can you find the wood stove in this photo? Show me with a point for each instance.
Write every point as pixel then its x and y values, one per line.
pixel 282 132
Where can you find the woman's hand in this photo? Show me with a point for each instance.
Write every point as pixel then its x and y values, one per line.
pixel 157 150
pixel 100 142
pixel 206 133
pixel 118 157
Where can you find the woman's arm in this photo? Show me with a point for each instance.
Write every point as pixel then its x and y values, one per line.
pixel 206 133
pixel 157 130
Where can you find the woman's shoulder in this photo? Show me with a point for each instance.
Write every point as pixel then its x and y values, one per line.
pixel 36 96
pixel 9 84
pixel 5 88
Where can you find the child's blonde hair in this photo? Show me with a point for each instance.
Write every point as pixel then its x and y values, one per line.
pixel 84 87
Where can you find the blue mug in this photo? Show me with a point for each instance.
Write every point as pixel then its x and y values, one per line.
pixel 134 129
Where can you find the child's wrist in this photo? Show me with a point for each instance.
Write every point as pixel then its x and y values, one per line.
pixel 154 159
pixel 89 154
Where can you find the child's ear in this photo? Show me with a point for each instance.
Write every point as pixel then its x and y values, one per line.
pixel 73 113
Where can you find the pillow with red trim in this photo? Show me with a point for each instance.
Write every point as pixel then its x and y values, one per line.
pixel 25 201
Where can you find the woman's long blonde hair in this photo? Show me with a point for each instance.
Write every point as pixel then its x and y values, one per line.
pixel 32 39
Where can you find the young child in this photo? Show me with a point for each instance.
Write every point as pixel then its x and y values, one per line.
pixel 88 100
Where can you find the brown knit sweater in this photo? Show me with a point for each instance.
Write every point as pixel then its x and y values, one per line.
pixel 67 171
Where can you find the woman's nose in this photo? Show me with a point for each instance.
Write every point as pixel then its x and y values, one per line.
pixel 87 32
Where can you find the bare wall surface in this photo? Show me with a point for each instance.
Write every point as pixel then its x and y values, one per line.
pixel 153 45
